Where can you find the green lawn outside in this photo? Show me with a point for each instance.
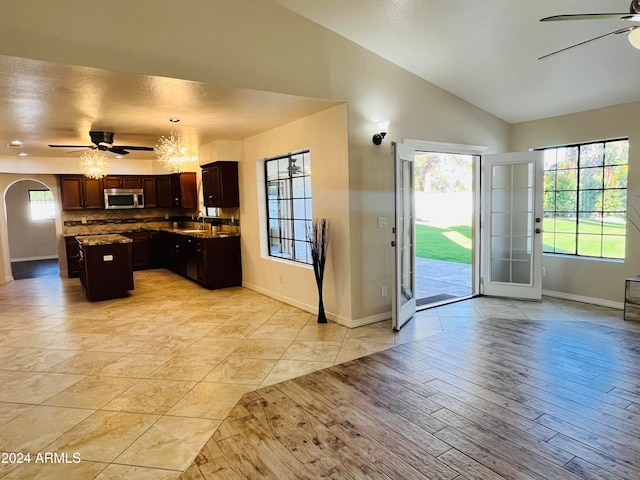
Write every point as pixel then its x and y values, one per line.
pixel 595 238
pixel 444 243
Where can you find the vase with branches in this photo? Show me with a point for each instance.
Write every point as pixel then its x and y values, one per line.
pixel 319 239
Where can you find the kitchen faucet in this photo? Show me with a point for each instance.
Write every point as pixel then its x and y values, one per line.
pixel 201 214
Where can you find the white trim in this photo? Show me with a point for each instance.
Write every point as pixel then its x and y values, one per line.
pixel 441 147
pixel 580 298
pixel 30 259
pixel 313 309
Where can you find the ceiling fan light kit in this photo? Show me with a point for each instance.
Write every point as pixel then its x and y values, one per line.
pixel 632 16
pixel 634 37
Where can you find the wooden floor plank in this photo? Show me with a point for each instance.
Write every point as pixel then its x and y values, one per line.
pixel 498 399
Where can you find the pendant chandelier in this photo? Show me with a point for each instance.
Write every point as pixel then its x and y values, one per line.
pixel 177 153
pixel 94 164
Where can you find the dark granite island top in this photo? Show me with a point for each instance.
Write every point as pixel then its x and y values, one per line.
pixel 106 239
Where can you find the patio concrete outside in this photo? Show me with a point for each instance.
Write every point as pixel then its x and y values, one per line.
pixel 435 277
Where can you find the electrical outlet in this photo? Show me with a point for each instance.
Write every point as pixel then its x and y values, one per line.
pixel 384 291
pixel 84 220
pixel 544 271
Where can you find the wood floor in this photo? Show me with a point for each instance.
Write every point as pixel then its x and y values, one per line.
pixel 512 399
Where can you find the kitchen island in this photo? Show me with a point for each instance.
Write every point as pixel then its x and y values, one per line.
pixel 105 266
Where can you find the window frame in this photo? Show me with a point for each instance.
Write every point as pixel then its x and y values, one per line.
pixel 289 223
pixel 580 171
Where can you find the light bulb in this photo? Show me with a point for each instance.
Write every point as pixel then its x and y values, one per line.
pixel 634 37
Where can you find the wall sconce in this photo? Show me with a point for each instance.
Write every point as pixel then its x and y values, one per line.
pixel 383 126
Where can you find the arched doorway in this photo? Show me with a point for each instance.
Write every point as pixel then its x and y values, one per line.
pixel 31 230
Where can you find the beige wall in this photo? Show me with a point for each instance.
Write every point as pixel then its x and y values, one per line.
pixel 6 182
pixel 261 45
pixel 28 239
pixel 593 279
pixel 324 134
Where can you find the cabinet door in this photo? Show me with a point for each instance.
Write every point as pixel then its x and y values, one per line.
pixel 93 193
pixel 149 188
pixel 71 192
pixel 131 182
pixel 111 181
pixel 209 190
pixel 184 190
pixel 73 267
pixel 163 191
pixel 220 184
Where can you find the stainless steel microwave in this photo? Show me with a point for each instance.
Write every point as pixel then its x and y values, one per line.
pixel 123 198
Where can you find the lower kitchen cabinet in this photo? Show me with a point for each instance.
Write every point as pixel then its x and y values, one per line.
pixel 140 250
pixel 73 268
pixel 212 262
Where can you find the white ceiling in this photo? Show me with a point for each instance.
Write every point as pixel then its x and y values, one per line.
pixel 486 52
pixel 45 103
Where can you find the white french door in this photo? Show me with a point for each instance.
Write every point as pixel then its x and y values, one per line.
pixel 511 223
pixel 403 299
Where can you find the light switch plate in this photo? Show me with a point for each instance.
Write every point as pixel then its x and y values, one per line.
pixel 382 222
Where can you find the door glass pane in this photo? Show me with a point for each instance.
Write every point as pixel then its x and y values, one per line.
pixel 407 225
pixel 511 223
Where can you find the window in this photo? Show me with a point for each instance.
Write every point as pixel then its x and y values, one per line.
pixel 585 199
pixel 41 205
pixel 288 194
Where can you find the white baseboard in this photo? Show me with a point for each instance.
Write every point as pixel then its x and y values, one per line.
pixel 580 298
pixel 30 259
pixel 347 322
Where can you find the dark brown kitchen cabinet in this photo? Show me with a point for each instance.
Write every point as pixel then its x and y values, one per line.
pixel 105 270
pixel 73 268
pixel 184 190
pixel 212 262
pixel 164 198
pixel 140 250
pixel 220 184
pixel 80 192
pixel 149 189
pixel 122 181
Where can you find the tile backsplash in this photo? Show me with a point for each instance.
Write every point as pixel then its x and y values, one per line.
pixel 97 222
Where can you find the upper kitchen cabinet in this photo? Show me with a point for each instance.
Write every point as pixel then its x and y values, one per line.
pixel 184 190
pixel 80 192
pixel 150 191
pixel 220 184
pixel 125 181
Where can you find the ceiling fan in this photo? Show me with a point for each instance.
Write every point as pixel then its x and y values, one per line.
pixel 632 16
pixel 103 141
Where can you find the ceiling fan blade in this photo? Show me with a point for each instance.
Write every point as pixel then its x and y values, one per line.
pixel 132 147
pixel 71 146
pixel 118 150
pixel 631 17
pixel 622 30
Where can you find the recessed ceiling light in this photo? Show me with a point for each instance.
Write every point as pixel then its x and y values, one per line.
pixel 22 154
pixel 119 156
pixel 174 120
pixel 15 143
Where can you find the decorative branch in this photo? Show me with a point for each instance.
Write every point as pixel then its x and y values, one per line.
pixel 319 239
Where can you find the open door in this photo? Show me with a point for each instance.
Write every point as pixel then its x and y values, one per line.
pixel 511 222
pixel 403 298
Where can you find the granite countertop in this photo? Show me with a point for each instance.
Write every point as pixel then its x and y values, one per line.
pixel 107 239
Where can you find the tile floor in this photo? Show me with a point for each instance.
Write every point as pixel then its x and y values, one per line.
pixel 136 386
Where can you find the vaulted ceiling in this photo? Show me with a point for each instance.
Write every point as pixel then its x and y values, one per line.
pixel 486 52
